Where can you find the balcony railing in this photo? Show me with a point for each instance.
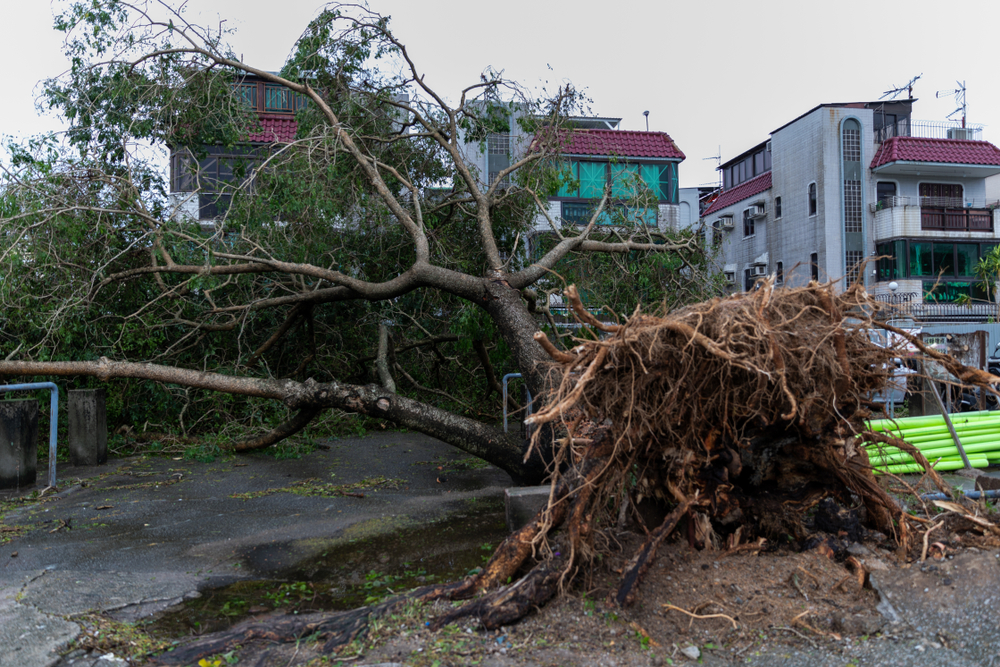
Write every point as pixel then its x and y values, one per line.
pixel 956 219
pixel 929 129
pixel 934 202
pixel 937 312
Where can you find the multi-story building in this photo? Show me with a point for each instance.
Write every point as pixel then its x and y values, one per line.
pixel 203 179
pixel 843 183
pixel 599 155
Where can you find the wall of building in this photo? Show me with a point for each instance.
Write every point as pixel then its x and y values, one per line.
pixel 687 213
pixel 804 152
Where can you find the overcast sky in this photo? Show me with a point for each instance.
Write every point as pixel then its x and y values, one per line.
pixel 712 74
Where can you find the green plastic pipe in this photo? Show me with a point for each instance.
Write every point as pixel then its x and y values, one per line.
pixel 942 465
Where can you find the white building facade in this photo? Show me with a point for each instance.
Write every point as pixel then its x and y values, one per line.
pixel 844 183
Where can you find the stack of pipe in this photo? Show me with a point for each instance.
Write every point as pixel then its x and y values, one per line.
pixel 978 432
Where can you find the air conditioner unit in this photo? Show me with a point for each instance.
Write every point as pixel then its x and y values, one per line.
pixel 726 223
pixel 758 270
pixel 959 133
pixel 730 277
pixel 757 211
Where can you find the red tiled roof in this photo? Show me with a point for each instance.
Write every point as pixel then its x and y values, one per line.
pixel 622 143
pixel 952 151
pixel 754 186
pixel 275 128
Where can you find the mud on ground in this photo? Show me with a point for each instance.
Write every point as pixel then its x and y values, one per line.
pixel 740 602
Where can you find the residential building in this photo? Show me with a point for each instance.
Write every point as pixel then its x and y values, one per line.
pixel 203 179
pixel 597 154
pixel 844 183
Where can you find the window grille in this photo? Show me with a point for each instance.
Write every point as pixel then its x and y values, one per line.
pixel 498 143
pixel 852 206
pixel 852 145
pixel 853 260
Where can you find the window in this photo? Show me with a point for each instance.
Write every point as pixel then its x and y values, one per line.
pixel 941 194
pixel 777 208
pixel 852 206
pixel 750 166
pixel 814 264
pixel 892 258
pixel 852 142
pixel 748 229
pixel 812 199
pixel 853 259
pixel 885 192
pixel 586 180
pixel 779 273
pixel 215 172
pixel 498 143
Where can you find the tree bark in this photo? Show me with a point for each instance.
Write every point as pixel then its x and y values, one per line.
pixel 488 443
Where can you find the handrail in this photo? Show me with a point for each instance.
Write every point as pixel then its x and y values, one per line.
pixel 53 417
pixel 505 378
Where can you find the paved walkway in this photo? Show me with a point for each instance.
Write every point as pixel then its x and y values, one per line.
pixel 138 535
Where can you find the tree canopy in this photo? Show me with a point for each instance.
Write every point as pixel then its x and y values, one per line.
pixel 365 266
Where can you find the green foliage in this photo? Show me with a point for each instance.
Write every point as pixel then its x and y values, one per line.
pixel 85 219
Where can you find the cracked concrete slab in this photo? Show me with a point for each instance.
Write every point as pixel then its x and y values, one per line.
pixel 31 638
pixel 73 592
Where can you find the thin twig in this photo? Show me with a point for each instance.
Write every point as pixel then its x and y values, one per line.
pixel 702 616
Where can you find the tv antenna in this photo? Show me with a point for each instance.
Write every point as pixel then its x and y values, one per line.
pixel 895 91
pixel 959 94
pixel 718 162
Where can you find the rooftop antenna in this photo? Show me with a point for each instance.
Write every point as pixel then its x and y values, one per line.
pixel 646 114
pixel 959 94
pixel 896 90
pixel 718 163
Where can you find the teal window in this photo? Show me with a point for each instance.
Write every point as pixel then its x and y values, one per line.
pixel 624 178
pixel 944 259
pixel 966 259
pixel 569 178
pixel 593 176
pixel 661 179
pixel 586 180
pixel 921 261
pixel 891 260
pixel 950 292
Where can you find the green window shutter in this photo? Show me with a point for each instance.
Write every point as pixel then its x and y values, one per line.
pixel 651 176
pixel 570 173
pixel 623 180
pixel 592 179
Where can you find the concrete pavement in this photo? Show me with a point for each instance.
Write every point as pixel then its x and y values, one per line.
pixel 135 536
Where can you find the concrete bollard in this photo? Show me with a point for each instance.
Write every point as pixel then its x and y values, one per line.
pixel 523 503
pixel 18 443
pixel 88 427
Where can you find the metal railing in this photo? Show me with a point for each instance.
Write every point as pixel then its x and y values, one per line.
pixel 934 312
pixel 934 202
pixel 929 129
pixel 53 417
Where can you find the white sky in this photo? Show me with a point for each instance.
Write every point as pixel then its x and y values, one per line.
pixel 722 73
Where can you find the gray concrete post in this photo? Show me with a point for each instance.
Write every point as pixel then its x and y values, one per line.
pixel 88 427
pixel 18 443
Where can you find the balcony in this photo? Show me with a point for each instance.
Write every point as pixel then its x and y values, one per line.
pixel 896 217
pixel 909 306
pixel 929 129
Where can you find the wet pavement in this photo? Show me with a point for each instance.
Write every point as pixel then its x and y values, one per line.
pixel 136 536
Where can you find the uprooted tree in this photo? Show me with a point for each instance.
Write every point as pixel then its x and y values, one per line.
pixel 736 416
pixel 366 249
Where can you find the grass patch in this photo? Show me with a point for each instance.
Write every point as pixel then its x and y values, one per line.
pixel 313 487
